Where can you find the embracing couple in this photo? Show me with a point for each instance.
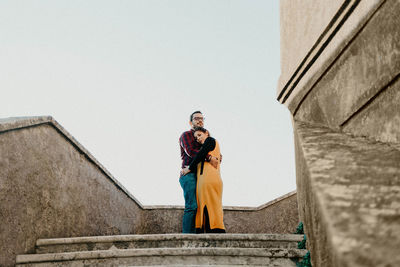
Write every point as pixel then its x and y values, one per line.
pixel 200 179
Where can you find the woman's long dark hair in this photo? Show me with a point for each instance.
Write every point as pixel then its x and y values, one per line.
pixel 201 129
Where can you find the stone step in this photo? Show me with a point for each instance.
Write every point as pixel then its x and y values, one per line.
pixel 167 241
pixel 167 256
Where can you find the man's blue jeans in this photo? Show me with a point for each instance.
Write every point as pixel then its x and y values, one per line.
pixel 188 184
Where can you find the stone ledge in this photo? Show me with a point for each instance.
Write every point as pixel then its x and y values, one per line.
pixel 63 245
pixel 101 254
pixel 349 197
pixel 124 238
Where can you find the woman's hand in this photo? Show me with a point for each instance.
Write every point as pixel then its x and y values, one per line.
pixel 214 161
pixel 185 170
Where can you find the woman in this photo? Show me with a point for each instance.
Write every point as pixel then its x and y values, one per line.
pixel 209 216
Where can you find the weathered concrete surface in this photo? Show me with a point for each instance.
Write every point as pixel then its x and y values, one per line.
pixel 349 198
pixel 313 34
pixel 277 216
pixel 277 257
pixel 366 67
pixel 302 23
pixel 59 245
pixel 51 186
pixel 322 251
pixel 347 185
pixel 380 120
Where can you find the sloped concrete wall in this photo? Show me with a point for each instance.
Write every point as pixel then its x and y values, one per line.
pixel 50 187
pixel 344 95
pixel 349 197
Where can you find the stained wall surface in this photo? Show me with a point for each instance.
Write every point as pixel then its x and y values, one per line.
pixel 48 188
pixel 313 33
pixel 348 191
pixel 277 216
pixel 340 81
pixel 359 92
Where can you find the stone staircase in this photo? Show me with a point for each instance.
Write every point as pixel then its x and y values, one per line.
pixel 167 250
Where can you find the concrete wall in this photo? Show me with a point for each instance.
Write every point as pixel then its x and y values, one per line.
pixel 50 186
pixel 367 68
pixel 277 216
pixel 340 80
pixel 313 34
pixel 349 197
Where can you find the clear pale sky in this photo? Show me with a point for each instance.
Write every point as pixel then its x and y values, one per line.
pixel 123 77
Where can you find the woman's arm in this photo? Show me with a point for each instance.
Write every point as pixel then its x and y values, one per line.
pixel 209 145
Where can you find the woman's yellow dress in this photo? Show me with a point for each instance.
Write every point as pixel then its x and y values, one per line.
pixel 209 193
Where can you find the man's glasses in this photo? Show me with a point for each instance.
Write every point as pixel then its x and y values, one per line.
pixel 198 118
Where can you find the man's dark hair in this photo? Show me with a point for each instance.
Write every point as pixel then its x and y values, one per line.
pixel 191 115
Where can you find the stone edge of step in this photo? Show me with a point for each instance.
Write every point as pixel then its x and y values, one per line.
pixel 121 253
pixel 168 237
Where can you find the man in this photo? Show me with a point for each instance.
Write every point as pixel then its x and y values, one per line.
pixel 189 148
